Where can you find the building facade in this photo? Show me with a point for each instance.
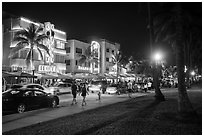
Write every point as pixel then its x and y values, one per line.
pixel 103 52
pixel 49 64
pixel 74 49
pixel 107 50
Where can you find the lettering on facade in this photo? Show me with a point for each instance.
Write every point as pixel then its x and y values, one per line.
pixel 47 68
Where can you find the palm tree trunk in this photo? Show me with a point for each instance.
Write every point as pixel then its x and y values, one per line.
pixel 158 94
pixel 117 73
pixel 184 104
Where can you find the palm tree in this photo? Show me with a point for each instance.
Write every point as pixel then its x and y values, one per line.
pixel 88 57
pixel 170 27
pixel 158 94
pixel 30 38
pixel 117 60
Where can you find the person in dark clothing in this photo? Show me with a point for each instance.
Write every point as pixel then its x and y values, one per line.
pixel 83 94
pixel 74 92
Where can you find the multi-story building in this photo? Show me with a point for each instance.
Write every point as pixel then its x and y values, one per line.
pixel 74 49
pixel 107 50
pixel 104 50
pixel 49 64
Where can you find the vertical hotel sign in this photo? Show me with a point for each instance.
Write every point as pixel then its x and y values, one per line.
pixel 95 49
pixel 49 42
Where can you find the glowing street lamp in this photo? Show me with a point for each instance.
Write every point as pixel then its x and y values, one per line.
pixel 193 73
pixel 157 56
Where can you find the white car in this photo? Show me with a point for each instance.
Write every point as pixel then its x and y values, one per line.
pixel 112 89
pixel 61 88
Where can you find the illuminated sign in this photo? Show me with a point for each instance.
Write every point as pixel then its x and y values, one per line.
pixel 83 68
pixel 95 48
pixel 46 68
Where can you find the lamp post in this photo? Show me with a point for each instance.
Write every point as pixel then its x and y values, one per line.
pixel 157 59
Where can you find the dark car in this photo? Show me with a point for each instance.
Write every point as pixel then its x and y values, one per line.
pixel 21 100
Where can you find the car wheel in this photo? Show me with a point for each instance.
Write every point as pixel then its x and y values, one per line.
pixel 53 103
pixel 21 108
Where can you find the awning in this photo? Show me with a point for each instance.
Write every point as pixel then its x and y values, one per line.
pixel 18 74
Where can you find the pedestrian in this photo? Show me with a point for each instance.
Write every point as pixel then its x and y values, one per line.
pixel 83 94
pixel 129 87
pixel 74 92
pixel 145 87
pixel 149 84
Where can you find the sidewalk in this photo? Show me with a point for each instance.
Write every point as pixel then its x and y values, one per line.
pixel 14 121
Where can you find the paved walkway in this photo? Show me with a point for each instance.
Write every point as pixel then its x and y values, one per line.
pixel 14 121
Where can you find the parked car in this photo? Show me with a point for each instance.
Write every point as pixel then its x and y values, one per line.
pixel 98 85
pixel 61 88
pixel 23 99
pixel 112 89
pixel 35 86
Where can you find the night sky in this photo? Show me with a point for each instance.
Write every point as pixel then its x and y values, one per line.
pixel 122 22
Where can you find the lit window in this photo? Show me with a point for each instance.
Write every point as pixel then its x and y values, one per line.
pixel 60 44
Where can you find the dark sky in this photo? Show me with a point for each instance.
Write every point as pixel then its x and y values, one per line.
pixel 120 22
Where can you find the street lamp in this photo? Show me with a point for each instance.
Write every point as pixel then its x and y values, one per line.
pixel 193 73
pixel 157 57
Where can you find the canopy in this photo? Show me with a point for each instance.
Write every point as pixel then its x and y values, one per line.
pixel 18 74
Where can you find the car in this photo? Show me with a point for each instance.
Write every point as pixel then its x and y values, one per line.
pixel 96 86
pixel 35 86
pixel 61 88
pixel 112 89
pixel 23 99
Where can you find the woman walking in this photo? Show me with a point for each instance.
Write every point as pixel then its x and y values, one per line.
pixel 83 94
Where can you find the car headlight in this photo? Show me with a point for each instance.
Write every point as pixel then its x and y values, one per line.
pixel 99 85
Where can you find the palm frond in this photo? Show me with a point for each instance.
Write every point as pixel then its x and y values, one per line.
pixel 20 38
pixel 43 47
pixel 41 37
pixel 28 58
pixel 41 55
pixel 39 29
pixel 22 33
pixel 18 47
pixel 82 59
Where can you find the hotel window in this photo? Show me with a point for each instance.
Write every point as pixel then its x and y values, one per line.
pixel 60 44
pixel 107 59
pixel 107 50
pixel 76 62
pixel 68 49
pixel 78 50
pixel 107 69
pixel 59 59
pixel 67 62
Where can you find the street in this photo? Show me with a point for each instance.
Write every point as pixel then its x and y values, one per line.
pixel 13 121
pixel 121 116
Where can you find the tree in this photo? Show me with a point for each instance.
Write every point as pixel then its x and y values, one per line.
pixel 170 26
pixel 30 38
pixel 117 60
pixel 88 57
pixel 158 94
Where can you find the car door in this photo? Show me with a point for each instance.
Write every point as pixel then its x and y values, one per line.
pixel 28 99
pixel 41 98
